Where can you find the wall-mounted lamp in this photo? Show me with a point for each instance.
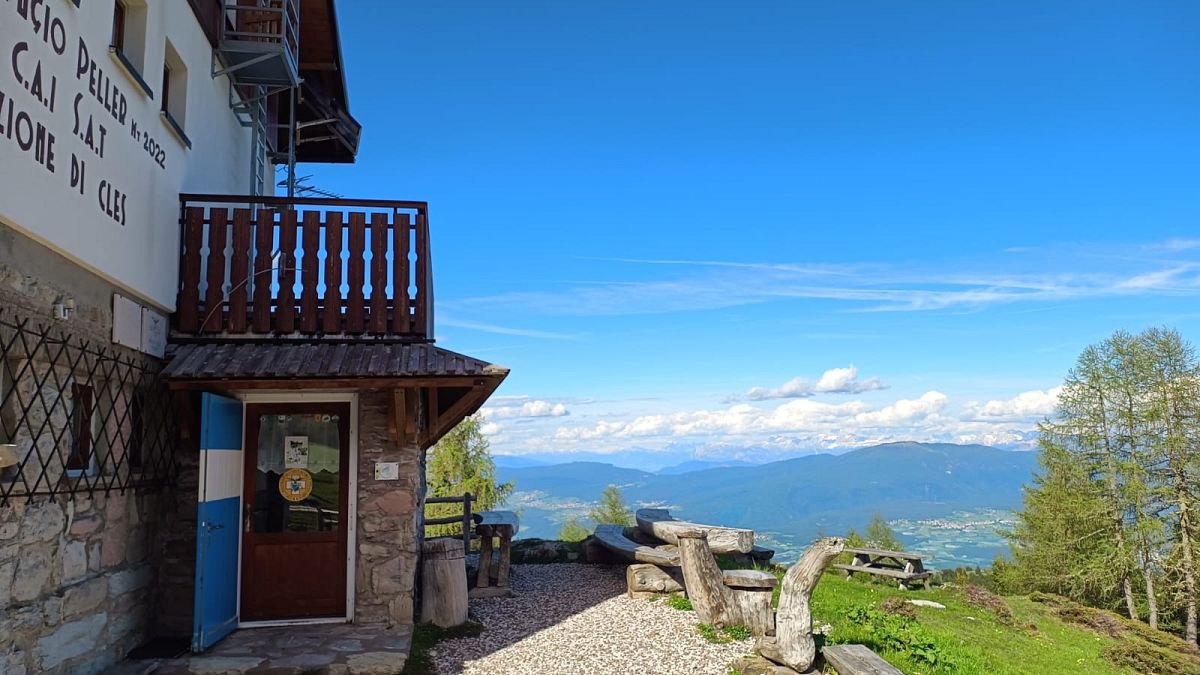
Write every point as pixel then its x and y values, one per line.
pixel 8 456
pixel 64 307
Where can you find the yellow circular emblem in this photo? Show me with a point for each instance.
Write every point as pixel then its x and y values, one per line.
pixel 295 485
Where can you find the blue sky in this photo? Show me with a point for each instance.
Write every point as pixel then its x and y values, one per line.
pixel 660 215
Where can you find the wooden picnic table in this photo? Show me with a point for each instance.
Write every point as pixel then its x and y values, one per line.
pixel 502 525
pixel 899 565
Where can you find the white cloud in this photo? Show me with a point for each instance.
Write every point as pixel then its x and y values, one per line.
pixel 511 408
pixel 1026 405
pixel 833 381
pixel 709 285
pixel 801 415
pixel 905 411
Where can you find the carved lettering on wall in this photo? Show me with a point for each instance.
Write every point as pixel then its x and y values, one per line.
pixel 98 105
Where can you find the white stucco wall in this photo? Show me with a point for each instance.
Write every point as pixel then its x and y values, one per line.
pixel 121 219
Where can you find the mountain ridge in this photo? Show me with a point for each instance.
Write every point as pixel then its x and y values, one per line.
pixel 792 500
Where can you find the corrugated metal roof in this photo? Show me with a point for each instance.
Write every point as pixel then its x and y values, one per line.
pixel 257 361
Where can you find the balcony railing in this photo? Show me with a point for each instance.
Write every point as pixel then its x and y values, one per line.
pixel 274 267
pixel 260 41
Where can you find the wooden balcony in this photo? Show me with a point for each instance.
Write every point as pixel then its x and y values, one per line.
pixel 273 268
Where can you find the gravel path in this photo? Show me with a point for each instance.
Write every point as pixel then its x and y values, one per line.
pixel 576 619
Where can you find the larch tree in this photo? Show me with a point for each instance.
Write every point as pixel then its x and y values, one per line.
pixel 1174 416
pixel 461 463
pixel 612 509
pixel 1112 516
pixel 572 530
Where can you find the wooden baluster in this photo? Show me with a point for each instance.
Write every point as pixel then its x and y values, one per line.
pixel 308 280
pixel 264 239
pixel 239 271
pixel 379 246
pixel 332 313
pixel 401 306
pixel 214 299
pixel 354 299
pixel 285 310
pixel 189 293
pixel 423 295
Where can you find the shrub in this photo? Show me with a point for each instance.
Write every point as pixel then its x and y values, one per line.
pixel 897 633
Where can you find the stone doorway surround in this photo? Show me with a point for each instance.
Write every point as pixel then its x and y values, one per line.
pixel 337 649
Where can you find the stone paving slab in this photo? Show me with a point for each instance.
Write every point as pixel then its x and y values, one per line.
pixel 333 649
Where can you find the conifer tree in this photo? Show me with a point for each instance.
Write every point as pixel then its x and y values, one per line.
pixel 572 530
pixel 612 509
pixel 461 462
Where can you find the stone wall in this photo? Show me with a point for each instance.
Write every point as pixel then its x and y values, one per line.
pixel 76 577
pixel 175 595
pixel 388 541
pixel 76 571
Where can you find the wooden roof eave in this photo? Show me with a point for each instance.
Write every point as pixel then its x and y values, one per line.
pixel 232 384
pixel 468 404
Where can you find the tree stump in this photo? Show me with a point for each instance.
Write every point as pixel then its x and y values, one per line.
pixel 747 603
pixel 444 582
pixel 793 645
pixel 647 581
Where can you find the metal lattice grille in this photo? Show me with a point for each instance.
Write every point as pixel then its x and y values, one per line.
pixel 82 416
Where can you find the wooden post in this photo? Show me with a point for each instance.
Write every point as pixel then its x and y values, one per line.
pixel 793 645
pixel 505 559
pixel 702 577
pixel 483 578
pixel 466 522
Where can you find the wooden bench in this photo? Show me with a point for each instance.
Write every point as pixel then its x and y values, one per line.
pixel 502 525
pixel 857 660
pixel 613 538
pixel 899 565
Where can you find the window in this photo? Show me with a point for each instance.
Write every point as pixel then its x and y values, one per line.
pixel 118 33
pixel 166 89
pixel 82 460
pixel 129 39
pixel 173 98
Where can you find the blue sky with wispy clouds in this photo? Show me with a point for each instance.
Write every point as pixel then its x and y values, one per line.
pixel 770 227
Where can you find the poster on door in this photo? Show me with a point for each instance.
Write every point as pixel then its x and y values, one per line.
pixel 295 452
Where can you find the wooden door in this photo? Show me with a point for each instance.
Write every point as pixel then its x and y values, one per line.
pixel 296 511
pixel 217 516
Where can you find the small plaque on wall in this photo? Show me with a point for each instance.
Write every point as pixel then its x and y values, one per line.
pixel 387 470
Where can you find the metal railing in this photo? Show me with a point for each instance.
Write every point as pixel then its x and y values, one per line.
pixel 80 416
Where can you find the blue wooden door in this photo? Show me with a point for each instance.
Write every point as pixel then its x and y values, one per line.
pixel 218 520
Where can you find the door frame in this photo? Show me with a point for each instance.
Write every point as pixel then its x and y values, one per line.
pixel 351 498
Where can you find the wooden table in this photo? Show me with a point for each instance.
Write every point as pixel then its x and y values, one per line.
pixel 899 565
pixel 501 525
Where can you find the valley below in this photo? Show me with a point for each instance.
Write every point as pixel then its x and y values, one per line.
pixel 947 501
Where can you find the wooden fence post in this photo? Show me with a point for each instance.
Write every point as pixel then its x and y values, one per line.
pixel 466 524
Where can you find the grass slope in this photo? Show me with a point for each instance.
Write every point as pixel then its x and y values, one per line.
pixel 968 639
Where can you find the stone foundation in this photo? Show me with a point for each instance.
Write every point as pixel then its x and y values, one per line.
pixel 76 578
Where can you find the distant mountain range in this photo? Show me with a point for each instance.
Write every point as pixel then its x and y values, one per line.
pixel 929 485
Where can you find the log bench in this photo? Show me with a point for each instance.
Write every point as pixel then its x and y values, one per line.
pixel 900 565
pixel 502 525
pixel 720 597
pixel 857 660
